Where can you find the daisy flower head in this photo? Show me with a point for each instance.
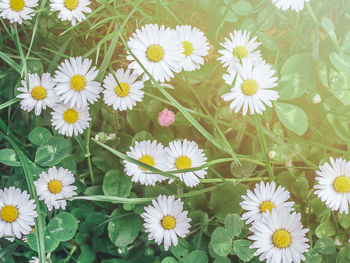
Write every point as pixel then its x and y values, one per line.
pixel 124 95
pixel 17 213
pixel 71 10
pixel 53 185
pixel 75 82
pixel 196 46
pixel 279 237
pixel 333 184
pixel 34 260
pixel 70 120
pixel 239 47
pixel 17 10
pixel 184 155
pixel 150 153
pixel 253 87
pixel 296 5
pixel 264 198
pixel 158 49
pixel 166 220
pixel 40 93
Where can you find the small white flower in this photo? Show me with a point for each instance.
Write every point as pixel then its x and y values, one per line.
pixel 279 237
pixel 41 93
pixel 295 5
pixel 75 82
pixel 196 46
pixel 34 260
pixel 166 220
pixel 316 98
pixel 253 87
pixel 333 185
pixel 70 120
pixel 158 49
pixel 185 155
pixel 71 10
pixel 263 199
pixel 150 153
pixel 17 10
pixel 17 213
pixel 126 95
pixel 239 48
pixel 53 185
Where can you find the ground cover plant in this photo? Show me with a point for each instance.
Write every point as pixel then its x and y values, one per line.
pixel 174 131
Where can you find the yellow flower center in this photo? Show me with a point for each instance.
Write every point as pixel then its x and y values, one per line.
pixel 9 213
pixel 147 159
pixel 70 116
pixel 155 53
pixel 168 222
pixel 342 184
pixel 77 82
pixel 240 52
pixel 249 87
pixel 266 205
pixel 17 5
pixel 71 4
pixel 188 48
pixel 123 90
pixel 38 93
pixel 183 162
pixel 55 186
pixel 281 238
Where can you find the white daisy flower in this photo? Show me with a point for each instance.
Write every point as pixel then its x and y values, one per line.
pixel 253 87
pixel 71 10
pixel 166 220
pixel 126 95
pixel 75 82
pixel 17 213
pixel 263 199
pixel 239 48
pixel 158 49
pixel 34 260
pixel 55 184
pixel 17 10
pixel 295 5
pixel 279 237
pixel 196 46
pixel 41 93
pixel 70 120
pixel 151 153
pixel 185 155
pixel 333 185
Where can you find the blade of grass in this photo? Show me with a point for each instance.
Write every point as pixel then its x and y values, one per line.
pixel 8 103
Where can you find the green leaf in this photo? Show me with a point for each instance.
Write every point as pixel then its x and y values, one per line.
pixel 344 255
pixel 312 257
pixel 340 61
pixel 35 66
pixel 50 243
pixel 241 247
pixel 296 76
pixel 340 86
pixel 39 135
pixel 9 157
pixel 222 260
pixel 169 260
pixel 221 242
pixel 328 26
pixel 123 230
pixel 292 117
pixel 325 229
pixel 181 250
pixel 86 255
pixel 116 183
pixel 142 136
pixel 233 225
pixel 265 19
pixel 63 226
pixel 53 151
pixel 197 256
pixel 344 220
pixel 325 246
pixel 242 8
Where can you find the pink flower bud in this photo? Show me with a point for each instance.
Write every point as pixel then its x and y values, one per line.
pixel 166 118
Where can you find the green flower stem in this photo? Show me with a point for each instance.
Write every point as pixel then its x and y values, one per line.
pixel 88 154
pixel 39 222
pixel 234 180
pixel 261 136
